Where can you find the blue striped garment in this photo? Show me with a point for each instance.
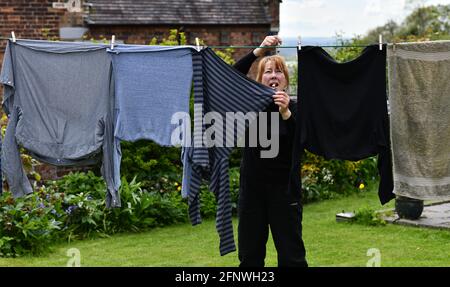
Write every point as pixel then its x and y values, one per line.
pixel 218 88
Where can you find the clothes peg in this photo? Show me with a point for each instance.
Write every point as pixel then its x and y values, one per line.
pixel 113 39
pixel 13 36
pixel 380 41
pixel 299 43
pixel 197 42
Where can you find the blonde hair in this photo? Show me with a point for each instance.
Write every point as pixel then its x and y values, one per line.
pixel 280 64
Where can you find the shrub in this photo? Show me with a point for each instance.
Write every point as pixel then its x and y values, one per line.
pixel 208 204
pixel 142 210
pixel 27 225
pixel 325 179
pixel 368 216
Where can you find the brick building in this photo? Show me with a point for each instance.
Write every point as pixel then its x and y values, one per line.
pixel 216 22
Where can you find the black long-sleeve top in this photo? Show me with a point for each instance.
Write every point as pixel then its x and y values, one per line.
pixel 268 170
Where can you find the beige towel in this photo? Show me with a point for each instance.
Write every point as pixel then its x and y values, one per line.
pixel 419 99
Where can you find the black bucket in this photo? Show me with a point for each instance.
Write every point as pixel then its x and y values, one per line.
pixel 408 208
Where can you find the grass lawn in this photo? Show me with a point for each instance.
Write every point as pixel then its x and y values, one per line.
pixel 328 243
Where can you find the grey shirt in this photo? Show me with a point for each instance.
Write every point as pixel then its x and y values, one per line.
pixel 59 100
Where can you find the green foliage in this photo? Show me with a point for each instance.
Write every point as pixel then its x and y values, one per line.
pixel 428 23
pixel 149 161
pixel 27 225
pixel 81 201
pixel 368 216
pixel 74 208
pixel 141 210
pixel 424 23
pixel 346 54
pixel 326 179
pixel 77 183
pixel 226 55
pixel 164 209
pixel 175 38
pixel 208 204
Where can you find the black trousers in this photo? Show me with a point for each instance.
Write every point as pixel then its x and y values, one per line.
pixel 264 205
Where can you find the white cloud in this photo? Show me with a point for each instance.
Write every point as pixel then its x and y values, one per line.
pixel 318 18
pixel 372 7
pixel 312 4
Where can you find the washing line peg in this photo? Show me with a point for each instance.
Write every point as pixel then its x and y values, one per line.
pixel 13 36
pixel 197 42
pixel 113 40
pixel 380 40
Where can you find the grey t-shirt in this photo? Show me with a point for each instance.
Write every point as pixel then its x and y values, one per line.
pixel 59 100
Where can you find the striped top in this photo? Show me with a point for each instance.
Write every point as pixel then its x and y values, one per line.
pixel 220 89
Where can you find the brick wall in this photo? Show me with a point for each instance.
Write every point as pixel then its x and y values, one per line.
pixel 212 35
pixel 29 19
pixel 274 11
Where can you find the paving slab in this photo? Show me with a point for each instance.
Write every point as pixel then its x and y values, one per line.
pixel 434 215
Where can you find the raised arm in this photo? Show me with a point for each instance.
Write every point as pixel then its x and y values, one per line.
pixel 245 63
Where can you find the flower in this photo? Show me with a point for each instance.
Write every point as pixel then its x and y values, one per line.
pixel 361 186
pixel 71 209
pixel 179 188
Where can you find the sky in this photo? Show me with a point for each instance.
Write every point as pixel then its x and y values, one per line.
pixel 325 18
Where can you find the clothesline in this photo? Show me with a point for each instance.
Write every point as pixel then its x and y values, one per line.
pixel 291 47
pixel 264 47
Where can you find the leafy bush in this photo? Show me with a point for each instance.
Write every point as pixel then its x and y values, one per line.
pixel 368 216
pixel 148 161
pixel 27 225
pixel 141 209
pixel 208 204
pixel 325 179
pixel 74 208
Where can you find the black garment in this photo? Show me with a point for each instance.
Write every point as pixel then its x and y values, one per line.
pixel 342 110
pixel 264 197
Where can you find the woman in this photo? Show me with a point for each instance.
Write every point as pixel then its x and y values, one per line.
pixel 264 199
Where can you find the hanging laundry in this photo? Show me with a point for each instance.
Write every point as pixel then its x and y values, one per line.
pixel 152 86
pixel 218 89
pixel 419 98
pixel 58 99
pixel 342 109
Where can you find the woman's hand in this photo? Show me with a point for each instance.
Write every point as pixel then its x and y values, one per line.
pixel 268 41
pixel 281 99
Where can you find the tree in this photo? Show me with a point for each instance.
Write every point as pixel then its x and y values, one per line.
pixel 422 24
pixel 430 22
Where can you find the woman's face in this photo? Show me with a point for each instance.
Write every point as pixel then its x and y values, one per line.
pixel 273 77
